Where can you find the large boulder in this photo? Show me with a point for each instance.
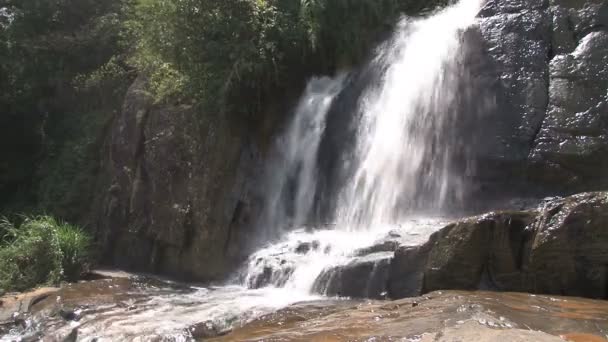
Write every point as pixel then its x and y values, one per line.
pixel 561 248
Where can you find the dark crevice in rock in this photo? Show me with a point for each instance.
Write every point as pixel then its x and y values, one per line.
pixel 234 222
pixel 188 227
pixel 550 55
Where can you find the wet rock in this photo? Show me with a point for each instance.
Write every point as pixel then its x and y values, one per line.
pixel 572 144
pixel 276 275
pixel 72 337
pixel 363 277
pixel 561 248
pixel 19 304
pixel 394 234
pixel 179 190
pixel 546 131
pixel 33 337
pixel 380 246
pixel 205 330
pixel 304 248
pixel 439 316
pixel 70 314
pixel 513 84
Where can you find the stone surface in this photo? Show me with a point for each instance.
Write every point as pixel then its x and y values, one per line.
pixel 362 277
pixel 573 140
pixel 545 61
pixel 439 316
pixel 561 248
pixel 13 305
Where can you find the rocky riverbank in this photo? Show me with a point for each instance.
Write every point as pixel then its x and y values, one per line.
pixel 150 309
pixel 557 247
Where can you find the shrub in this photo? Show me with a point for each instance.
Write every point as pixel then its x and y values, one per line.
pixel 75 249
pixel 41 251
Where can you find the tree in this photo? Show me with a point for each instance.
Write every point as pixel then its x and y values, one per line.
pixel 44 46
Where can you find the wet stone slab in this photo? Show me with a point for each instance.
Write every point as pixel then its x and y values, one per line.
pixel 438 316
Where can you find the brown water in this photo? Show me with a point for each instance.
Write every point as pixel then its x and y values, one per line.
pixel 144 309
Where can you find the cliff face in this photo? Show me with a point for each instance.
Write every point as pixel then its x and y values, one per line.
pixel 183 195
pixel 546 62
pixel 179 189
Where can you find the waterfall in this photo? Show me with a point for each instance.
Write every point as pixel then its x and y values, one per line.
pixel 405 146
pixel 291 175
pixel 403 160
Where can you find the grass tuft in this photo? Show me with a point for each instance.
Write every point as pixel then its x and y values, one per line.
pixel 41 251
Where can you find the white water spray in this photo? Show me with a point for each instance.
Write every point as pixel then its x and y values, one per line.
pixel 404 150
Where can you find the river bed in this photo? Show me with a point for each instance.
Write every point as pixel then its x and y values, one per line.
pixel 140 308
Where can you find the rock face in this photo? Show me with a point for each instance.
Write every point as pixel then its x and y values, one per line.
pixel 178 192
pixel 560 248
pixel 546 61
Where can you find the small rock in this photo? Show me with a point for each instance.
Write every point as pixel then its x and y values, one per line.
pixel 69 314
pixel 205 329
pixel 394 234
pixel 19 320
pixel 303 248
pixel 72 337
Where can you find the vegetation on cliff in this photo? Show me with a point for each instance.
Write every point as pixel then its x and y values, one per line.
pixel 41 250
pixel 214 49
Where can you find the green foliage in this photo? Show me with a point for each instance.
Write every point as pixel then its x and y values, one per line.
pixel 46 48
pixel 222 50
pixel 75 247
pixel 69 173
pixel 41 251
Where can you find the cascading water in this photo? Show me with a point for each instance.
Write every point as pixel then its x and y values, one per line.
pixel 402 159
pixel 404 149
pixel 291 182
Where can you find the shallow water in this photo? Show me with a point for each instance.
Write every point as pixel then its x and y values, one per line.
pixel 144 309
